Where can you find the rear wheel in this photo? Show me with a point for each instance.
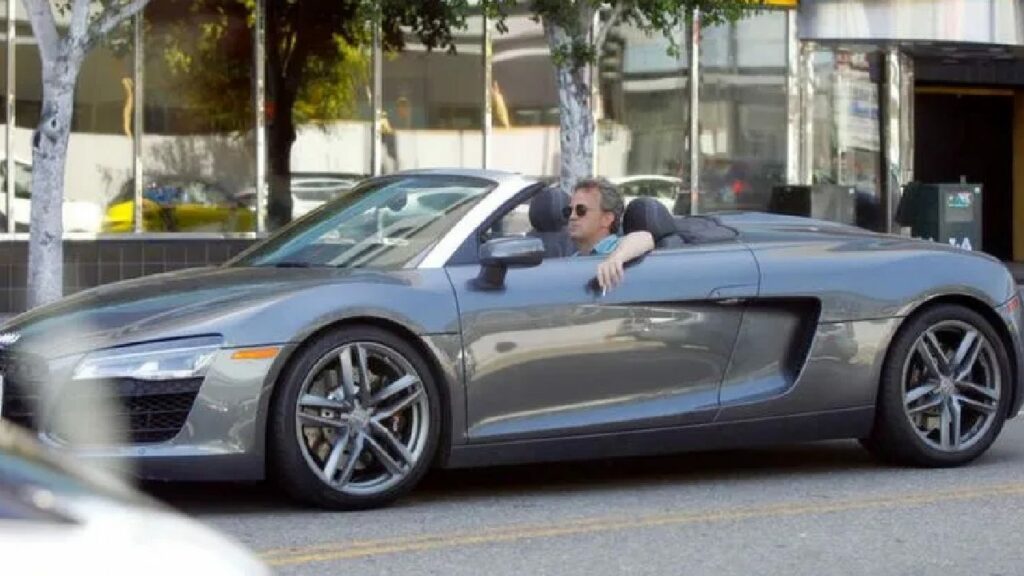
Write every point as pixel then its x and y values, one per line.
pixel 945 390
pixel 356 421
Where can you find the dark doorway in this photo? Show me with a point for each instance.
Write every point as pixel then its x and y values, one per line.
pixel 970 135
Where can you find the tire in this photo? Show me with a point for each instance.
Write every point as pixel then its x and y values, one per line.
pixel 306 458
pixel 915 405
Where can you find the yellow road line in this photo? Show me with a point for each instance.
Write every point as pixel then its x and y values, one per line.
pixel 367 548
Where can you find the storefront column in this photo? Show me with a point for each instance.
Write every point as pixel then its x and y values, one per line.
pixel 260 115
pixel 794 102
pixel 138 93
pixel 807 89
pixel 376 94
pixel 488 49
pixel 898 126
pixel 8 192
pixel 694 111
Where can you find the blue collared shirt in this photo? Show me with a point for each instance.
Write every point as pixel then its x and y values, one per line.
pixel 606 246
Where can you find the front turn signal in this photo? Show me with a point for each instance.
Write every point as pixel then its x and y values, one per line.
pixel 256 353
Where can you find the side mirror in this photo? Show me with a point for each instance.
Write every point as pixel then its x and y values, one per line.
pixel 500 254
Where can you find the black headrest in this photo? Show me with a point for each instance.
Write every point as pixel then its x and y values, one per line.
pixel 650 215
pixel 546 210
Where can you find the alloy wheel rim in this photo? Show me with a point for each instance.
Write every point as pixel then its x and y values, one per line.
pixel 951 386
pixel 362 418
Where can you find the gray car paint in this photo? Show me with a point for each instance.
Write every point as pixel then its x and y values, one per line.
pixel 549 355
pixel 738 394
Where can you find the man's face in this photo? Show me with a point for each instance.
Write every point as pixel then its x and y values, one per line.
pixel 595 223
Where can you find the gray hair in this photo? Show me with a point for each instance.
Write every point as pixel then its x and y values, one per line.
pixel 611 198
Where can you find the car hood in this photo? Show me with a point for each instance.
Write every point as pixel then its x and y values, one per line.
pixel 189 302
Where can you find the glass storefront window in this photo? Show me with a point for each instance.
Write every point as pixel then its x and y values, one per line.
pixel 742 117
pixel 847 155
pixel 99 158
pixel 333 118
pixel 432 104
pixel 319 110
pixel 524 101
pixel 198 151
pixel 643 119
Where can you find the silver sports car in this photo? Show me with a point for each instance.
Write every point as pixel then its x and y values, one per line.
pixel 435 318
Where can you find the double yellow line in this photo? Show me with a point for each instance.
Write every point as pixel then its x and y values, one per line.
pixel 367 548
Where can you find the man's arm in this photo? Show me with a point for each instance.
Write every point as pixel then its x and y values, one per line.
pixel 633 245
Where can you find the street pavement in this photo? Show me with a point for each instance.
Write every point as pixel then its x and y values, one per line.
pixel 824 508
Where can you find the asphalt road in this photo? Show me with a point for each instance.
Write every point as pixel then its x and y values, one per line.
pixel 813 509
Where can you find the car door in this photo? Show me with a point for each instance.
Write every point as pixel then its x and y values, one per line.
pixel 547 355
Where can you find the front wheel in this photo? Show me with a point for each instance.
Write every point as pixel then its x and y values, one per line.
pixel 356 421
pixel 945 390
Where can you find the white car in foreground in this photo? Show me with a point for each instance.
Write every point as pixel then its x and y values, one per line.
pixel 57 518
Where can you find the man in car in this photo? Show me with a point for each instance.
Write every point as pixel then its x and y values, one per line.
pixel 595 213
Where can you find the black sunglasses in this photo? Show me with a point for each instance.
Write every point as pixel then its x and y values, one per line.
pixel 581 211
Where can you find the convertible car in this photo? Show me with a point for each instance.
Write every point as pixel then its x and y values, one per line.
pixel 434 318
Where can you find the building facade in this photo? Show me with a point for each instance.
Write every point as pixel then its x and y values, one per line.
pixel 178 125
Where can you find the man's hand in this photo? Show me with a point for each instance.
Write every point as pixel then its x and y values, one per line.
pixel 610 272
pixel 633 245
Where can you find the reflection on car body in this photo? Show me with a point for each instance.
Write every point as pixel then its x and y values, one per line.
pixel 424 319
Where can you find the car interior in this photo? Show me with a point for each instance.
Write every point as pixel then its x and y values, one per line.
pixel 542 217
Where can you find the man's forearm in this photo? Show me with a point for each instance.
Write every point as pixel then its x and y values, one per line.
pixel 634 245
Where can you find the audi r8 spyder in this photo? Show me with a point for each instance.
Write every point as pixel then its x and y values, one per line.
pixel 440 318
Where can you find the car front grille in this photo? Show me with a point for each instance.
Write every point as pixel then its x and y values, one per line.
pixel 24 377
pixel 145 411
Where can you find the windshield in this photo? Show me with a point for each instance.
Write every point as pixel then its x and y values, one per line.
pixel 382 223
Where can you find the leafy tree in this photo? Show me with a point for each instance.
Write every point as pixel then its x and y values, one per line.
pixel 576 31
pixel 318 58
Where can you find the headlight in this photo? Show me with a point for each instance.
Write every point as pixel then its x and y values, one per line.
pixel 171 360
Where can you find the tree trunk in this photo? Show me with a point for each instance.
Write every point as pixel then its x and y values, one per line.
pixel 281 138
pixel 575 118
pixel 49 152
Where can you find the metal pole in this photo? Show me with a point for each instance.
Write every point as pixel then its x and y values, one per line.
pixel 259 113
pixel 893 151
pixel 694 111
pixel 907 117
pixel 807 98
pixel 9 136
pixel 138 72
pixel 793 108
pixel 376 95
pixel 488 50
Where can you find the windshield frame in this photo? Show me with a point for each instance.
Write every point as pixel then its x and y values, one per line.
pixel 260 254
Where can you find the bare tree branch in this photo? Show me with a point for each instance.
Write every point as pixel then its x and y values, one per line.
pixel 44 28
pixel 613 19
pixel 111 18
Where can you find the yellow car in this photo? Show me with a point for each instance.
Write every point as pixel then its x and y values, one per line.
pixel 179 205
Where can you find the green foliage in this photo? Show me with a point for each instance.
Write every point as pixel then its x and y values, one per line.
pixel 433 21
pixel 318 51
pixel 651 16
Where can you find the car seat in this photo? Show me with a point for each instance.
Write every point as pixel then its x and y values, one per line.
pixel 549 222
pixel 651 215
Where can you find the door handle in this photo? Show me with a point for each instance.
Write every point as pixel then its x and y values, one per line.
pixel 730 301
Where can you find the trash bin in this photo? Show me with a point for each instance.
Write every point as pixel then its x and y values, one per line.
pixel 947 213
pixel 790 199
